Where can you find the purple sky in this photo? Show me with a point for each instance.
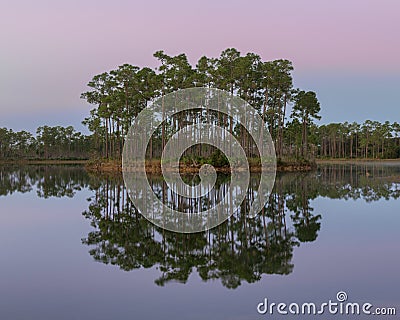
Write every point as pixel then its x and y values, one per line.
pixel 346 51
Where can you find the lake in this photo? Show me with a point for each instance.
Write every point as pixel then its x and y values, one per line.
pixel 73 247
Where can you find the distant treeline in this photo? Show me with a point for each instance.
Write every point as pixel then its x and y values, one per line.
pixel 369 140
pixel 49 143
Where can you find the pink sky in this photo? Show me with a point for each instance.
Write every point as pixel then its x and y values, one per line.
pixel 51 49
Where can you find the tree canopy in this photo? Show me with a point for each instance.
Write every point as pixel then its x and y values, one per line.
pixel 120 94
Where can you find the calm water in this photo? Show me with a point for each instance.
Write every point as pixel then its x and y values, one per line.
pixel 73 247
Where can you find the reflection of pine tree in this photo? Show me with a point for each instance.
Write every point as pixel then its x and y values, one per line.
pixel 240 249
pixel 305 223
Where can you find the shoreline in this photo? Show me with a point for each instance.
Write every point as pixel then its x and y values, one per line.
pixel 154 167
pixel 44 162
pixel 359 160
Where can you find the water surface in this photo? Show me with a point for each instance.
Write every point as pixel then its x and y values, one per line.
pixel 72 247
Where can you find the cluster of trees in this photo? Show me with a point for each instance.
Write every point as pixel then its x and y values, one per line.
pixel 119 96
pixel 370 139
pixel 49 143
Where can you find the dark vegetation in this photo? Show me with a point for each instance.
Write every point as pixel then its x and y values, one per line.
pixel 55 143
pixel 120 95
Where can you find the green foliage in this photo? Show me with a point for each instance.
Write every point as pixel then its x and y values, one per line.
pixel 370 139
pixel 50 143
pixel 306 108
pixel 219 159
pixel 120 94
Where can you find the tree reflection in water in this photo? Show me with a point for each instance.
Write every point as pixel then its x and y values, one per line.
pixel 47 180
pixel 241 249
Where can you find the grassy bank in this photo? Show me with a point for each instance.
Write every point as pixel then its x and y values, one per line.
pixel 43 162
pixel 355 160
pixel 154 166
